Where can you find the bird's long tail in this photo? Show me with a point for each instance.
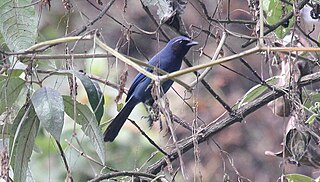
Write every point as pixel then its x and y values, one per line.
pixel 116 124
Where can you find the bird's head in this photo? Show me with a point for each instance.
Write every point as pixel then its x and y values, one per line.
pixel 180 45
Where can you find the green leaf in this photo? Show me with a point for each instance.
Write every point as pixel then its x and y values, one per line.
pixel 17 69
pixel 10 89
pixel 88 122
pixel 48 104
pixel 94 94
pixel 25 128
pixel 311 119
pixel 119 106
pixel 18 23
pixel 273 9
pixel 256 91
pixel 311 98
pixel 93 91
pixel 99 110
pixel 298 178
pixel 3 44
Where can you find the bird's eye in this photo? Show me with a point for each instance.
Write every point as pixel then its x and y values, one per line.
pixel 180 42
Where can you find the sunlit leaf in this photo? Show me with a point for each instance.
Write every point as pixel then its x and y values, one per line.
pixel 48 104
pixel 311 119
pixel 298 178
pixel 256 91
pixel 87 120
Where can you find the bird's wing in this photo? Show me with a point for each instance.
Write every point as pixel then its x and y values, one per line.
pixel 141 77
pixel 138 79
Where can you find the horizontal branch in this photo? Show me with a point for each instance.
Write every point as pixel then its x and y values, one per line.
pixel 125 173
pixel 235 56
pixel 64 56
pixel 290 49
pixel 58 41
pixel 205 65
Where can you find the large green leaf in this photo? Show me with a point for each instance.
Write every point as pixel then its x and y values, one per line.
pixel 274 12
pixel 88 122
pixel 9 91
pixel 48 104
pixel 18 23
pixel 94 94
pixel 25 128
pixel 93 91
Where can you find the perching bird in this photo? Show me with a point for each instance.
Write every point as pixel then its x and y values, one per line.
pixel 168 59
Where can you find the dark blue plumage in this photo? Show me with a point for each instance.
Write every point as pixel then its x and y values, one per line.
pixel 168 59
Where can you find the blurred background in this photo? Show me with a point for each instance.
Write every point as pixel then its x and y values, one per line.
pixel 235 153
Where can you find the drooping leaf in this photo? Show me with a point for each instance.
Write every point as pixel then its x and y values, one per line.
pixel 17 120
pixel 87 120
pixel 94 94
pixel 9 91
pixel 298 178
pixel 48 104
pixel 256 91
pixel 18 26
pixel 25 128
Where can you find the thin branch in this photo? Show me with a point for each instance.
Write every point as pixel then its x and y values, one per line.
pixel 93 77
pixel 254 72
pixel 210 90
pixel 63 156
pixel 133 63
pixel 148 138
pixel 215 127
pixel 205 65
pixel 83 154
pixel 64 56
pixel 128 174
pixel 235 56
pixel 58 41
pixel 279 23
pixel 214 57
pixel 308 36
pixel 100 15
pixel 205 11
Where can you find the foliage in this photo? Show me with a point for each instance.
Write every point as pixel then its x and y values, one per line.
pixel 54 106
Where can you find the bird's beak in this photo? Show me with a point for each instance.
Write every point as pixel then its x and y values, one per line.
pixel 192 43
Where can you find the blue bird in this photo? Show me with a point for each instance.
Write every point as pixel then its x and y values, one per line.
pixel 168 59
